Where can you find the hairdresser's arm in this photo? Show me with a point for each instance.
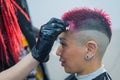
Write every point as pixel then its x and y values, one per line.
pixel 20 70
pixel 47 35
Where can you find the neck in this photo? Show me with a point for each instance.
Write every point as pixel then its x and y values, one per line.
pixel 92 75
pixel 91 66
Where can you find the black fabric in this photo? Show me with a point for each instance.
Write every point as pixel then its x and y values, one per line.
pixel 25 25
pixel 71 77
pixel 103 76
pixel 45 75
pixel 6 65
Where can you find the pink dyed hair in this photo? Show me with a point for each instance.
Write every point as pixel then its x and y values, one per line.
pixel 78 16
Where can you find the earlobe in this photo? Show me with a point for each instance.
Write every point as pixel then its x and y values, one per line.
pixel 88 57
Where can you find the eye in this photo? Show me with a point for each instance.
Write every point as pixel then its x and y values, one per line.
pixel 63 44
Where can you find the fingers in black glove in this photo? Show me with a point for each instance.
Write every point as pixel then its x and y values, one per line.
pixel 47 35
pixel 55 20
pixel 53 28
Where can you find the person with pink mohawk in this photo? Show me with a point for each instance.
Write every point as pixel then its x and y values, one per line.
pixel 84 36
pixel 84 43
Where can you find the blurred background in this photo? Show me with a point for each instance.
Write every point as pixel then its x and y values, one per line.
pixel 42 10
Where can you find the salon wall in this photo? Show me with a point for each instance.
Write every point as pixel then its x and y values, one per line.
pixel 42 10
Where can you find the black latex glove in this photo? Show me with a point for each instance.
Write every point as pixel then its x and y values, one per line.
pixel 47 35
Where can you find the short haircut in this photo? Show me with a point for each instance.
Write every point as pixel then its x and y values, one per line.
pixel 88 19
pixel 94 25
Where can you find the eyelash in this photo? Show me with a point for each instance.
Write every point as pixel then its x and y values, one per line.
pixel 63 44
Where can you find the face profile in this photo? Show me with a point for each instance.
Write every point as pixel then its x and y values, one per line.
pixel 81 50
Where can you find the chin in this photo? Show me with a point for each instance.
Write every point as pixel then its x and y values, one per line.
pixel 69 71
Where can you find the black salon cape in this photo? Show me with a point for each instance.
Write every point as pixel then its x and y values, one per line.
pixel 103 76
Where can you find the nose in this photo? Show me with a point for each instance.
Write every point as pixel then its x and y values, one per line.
pixel 59 51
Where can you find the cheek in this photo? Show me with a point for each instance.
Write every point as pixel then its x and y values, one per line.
pixel 73 53
pixel 74 59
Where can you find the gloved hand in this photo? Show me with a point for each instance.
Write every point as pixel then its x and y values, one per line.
pixel 47 35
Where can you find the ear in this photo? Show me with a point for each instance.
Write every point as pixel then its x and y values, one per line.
pixel 91 46
pixel 91 49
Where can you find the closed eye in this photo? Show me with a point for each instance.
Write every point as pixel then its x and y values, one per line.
pixel 63 44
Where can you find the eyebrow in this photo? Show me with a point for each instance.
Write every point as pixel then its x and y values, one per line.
pixel 62 39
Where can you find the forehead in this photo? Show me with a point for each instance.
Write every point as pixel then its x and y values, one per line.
pixel 64 36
